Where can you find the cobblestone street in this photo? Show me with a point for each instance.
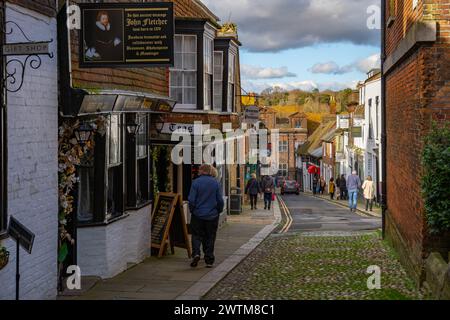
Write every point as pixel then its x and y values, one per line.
pixel 312 265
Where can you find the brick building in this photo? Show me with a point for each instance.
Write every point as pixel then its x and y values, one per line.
pixel 293 132
pixel 416 71
pixel 31 142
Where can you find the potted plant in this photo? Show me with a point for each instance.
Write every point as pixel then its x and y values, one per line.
pixel 4 257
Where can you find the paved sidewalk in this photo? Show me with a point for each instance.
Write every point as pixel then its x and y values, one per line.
pixel 172 278
pixel 361 206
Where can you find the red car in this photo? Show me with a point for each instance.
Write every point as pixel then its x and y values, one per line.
pixel 290 186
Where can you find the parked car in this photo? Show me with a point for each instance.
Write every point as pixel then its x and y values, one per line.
pixel 290 186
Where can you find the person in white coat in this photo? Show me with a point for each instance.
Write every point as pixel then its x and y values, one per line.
pixel 369 192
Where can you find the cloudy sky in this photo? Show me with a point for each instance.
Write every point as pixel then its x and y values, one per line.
pixel 304 44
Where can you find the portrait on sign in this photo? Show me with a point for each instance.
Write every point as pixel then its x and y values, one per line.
pixel 103 35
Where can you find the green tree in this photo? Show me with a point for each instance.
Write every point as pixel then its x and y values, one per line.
pixel 436 178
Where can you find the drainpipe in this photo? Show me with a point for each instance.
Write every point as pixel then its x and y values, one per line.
pixel 383 119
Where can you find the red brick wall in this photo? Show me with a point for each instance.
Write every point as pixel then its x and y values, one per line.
pixel 153 80
pixel 417 90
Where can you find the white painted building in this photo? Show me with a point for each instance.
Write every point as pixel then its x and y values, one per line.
pixel 370 97
pixel 32 180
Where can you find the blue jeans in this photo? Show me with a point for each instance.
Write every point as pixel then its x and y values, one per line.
pixel 352 198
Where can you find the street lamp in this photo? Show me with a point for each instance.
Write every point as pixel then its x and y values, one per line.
pixel 133 128
pixel 83 133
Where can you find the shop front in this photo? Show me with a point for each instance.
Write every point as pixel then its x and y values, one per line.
pixel 112 196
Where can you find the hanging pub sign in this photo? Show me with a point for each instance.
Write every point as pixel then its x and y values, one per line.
pixel 127 34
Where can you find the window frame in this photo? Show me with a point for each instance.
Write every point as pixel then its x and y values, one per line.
pixel 283 146
pixel 218 79
pixel 284 169
pixel 231 91
pixel 183 71
pixel 208 71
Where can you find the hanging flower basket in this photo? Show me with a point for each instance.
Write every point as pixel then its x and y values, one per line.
pixel 4 258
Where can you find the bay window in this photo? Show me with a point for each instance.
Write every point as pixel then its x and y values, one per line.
pixel 183 76
pixel 218 81
pixel 208 45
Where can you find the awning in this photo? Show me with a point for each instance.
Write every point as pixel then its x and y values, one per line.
pixel 117 101
pixel 317 153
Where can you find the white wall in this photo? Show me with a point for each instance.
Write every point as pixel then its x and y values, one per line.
pixel 106 251
pixel 33 164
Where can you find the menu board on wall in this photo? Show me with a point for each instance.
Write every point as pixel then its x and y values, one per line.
pixel 127 34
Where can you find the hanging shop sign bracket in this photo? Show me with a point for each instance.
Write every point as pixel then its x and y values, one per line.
pixel 15 68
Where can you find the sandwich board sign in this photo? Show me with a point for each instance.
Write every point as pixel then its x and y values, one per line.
pixel 169 224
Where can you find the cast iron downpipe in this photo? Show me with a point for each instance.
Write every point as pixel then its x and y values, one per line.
pixel 383 119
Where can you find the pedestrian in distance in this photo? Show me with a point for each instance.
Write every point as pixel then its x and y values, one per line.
pixel 369 192
pixel 331 188
pixel 315 183
pixel 268 187
pixel 206 204
pixel 337 189
pixel 252 189
pixel 323 185
pixel 353 185
pixel 343 187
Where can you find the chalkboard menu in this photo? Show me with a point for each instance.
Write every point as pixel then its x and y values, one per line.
pixel 127 34
pixel 169 224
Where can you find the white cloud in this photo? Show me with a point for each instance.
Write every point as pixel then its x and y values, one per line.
pixel 271 26
pixel 256 72
pixel 362 65
pixel 330 67
pixel 365 65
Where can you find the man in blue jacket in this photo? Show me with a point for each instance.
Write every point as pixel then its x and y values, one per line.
pixel 205 203
pixel 353 185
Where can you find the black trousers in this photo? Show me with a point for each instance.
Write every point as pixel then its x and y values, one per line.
pixel 267 200
pixel 253 200
pixel 369 203
pixel 204 234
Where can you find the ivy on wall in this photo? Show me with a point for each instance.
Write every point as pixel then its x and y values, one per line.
pixel 436 178
pixel 70 155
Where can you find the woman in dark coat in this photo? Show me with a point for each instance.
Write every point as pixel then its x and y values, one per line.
pixel 253 189
pixel 343 188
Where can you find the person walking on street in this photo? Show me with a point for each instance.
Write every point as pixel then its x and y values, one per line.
pixel 337 189
pixel 315 183
pixel 268 187
pixel 343 187
pixel 323 185
pixel 252 190
pixel 353 184
pixel 331 188
pixel 205 203
pixel 369 192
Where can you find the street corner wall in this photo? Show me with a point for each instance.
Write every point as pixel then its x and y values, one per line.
pixel 32 163
pixel 417 92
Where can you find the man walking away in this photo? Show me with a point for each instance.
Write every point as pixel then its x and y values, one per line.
pixel 369 192
pixel 353 184
pixel 253 189
pixel 268 187
pixel 205 203
pixel 343 187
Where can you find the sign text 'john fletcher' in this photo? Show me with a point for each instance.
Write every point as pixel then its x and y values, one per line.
pixel 126 35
